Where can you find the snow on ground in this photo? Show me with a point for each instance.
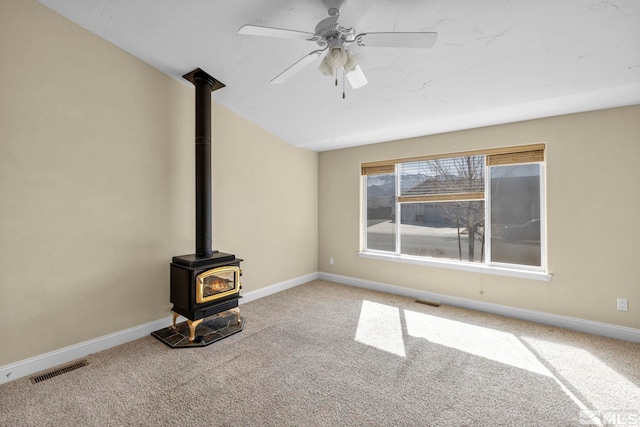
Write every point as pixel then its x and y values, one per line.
pixel 388 227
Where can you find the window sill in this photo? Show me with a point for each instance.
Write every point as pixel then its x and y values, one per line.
pixel 453 265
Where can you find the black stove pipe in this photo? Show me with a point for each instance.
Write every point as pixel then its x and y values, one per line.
pixel 204 84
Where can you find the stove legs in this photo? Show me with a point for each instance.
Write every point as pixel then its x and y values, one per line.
pixel 193 324
pixel 175 317
pixel 236 311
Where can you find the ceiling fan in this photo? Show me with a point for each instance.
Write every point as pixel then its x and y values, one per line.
pixel 333 38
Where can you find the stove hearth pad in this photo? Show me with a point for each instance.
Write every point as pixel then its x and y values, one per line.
pixel 209 330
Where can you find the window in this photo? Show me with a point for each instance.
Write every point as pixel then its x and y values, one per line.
pixel 515 214
pixel 474 208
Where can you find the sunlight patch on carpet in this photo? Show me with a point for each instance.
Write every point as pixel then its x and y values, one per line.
pixel 379 326
pixel 599 384
pixel 477 340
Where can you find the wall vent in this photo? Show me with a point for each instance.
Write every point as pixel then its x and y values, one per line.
pixel 58 371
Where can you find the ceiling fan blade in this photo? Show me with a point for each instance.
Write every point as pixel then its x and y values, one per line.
pixel 352 12
pixel 411 40
pixel 256 30
pixel 303 62
pixel 356 77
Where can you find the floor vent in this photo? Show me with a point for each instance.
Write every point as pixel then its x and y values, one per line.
pixel 58 371
pixel 428 302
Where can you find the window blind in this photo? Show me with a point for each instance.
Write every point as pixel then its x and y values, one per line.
pixel 515 154
pixel 378 170
pixel 515 158
pixel 457 178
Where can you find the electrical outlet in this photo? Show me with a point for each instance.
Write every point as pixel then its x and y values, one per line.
pixel 330 261
pixel 622 304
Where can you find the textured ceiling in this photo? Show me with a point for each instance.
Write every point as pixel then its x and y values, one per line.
pixel 495 61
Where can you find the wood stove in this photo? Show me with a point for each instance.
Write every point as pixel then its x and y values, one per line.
pixel 205 286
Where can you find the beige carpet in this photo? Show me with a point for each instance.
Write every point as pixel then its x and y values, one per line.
pixel 324 354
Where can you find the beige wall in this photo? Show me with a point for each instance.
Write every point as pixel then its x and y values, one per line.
pixel 593 202
pixel 96 188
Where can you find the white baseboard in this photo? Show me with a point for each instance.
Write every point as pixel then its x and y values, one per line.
pixel 65 355
pixel 582 325
pixel 278 287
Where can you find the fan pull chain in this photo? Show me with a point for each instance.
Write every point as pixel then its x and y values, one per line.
pixel 336 77
pixel 343 95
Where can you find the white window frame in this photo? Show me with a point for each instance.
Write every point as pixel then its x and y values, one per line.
pixel 543 234
pixel 487 266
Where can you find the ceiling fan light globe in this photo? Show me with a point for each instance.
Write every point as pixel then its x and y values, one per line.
pixel 336 57
pixel 351 62
pixel 325 68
